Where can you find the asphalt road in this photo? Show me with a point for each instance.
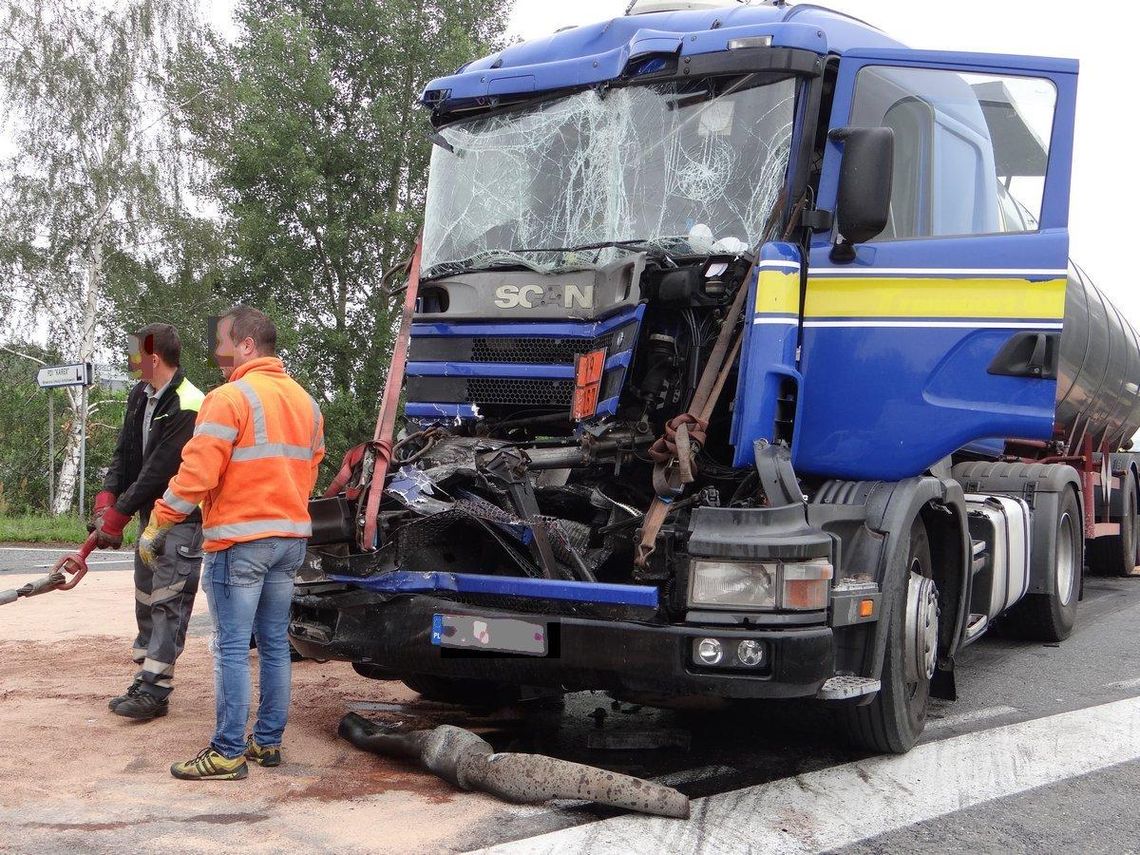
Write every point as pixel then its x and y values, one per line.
pixel 1040 753
pixel 32 559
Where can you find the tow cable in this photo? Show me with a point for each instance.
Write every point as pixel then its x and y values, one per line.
pixel 73 565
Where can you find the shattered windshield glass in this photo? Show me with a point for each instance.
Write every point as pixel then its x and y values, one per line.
pixel 680 166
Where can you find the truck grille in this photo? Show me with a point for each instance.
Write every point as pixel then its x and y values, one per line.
pixel 532 393
pixel 534 351
pixel 452 368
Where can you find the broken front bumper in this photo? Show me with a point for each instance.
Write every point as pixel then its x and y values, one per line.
pixel 395 633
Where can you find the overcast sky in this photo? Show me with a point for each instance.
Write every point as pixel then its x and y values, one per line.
pixel 1106 181
pixel 1106 178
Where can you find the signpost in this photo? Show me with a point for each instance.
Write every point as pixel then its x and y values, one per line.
pixel 54 377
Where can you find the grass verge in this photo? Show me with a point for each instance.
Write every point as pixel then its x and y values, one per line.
pixel 47 529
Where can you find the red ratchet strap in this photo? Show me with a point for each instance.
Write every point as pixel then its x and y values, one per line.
pixel 381 444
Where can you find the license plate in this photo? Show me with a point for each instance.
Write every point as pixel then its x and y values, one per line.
pixel 500 635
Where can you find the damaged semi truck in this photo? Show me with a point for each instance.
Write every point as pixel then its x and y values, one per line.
pixel 746 361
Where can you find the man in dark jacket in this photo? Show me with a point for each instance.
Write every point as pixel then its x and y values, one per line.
pixel 161 411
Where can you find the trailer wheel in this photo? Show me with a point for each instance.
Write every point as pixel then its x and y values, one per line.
pixel 462 692
pixel 1117 555
pixel 1050 617
pixel 893 721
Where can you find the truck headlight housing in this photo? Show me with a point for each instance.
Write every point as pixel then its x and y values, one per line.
pixel 767 585
pixel 732 584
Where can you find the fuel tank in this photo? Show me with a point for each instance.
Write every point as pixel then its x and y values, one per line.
pixel 1098 377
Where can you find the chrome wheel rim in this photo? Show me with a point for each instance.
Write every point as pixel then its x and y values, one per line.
pixel 1064 560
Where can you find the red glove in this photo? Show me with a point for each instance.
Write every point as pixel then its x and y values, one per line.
pixel 109 529
pixel 103 500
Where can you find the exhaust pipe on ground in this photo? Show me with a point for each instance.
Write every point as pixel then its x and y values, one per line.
pixel 467 761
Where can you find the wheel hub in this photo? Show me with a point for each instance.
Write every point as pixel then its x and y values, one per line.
pixel 920 639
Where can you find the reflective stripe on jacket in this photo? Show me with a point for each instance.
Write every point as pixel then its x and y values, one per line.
pixel 252 462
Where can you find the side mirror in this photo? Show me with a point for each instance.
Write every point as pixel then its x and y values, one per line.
pixel 864 203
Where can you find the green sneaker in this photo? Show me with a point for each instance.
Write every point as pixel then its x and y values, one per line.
pixel 262 756
pixel 209 765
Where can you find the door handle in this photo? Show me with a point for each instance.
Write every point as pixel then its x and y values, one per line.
pixel 1028 354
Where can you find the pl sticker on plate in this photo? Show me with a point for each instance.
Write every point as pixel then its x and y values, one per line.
pixel 501 635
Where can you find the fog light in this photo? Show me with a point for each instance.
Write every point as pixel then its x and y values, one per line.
pixel 709 651
pixel 750 653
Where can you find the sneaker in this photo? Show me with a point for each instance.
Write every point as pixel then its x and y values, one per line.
pixel 209 765
pixel 262 756
pixel 132 690
pixel 142 706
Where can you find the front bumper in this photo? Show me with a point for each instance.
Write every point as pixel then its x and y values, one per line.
pixel 616 655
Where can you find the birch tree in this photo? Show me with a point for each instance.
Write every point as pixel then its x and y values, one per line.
pixel 94 169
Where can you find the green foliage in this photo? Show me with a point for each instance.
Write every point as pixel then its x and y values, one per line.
pixel 24 433
pixel 162 174
pixel 319 155
pixel 49 529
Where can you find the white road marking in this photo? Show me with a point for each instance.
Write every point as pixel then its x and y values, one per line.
pixel 1124 684
pixel 845 804
pixel 967 718
pixel 39 548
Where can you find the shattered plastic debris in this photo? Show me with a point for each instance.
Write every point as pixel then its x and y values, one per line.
pixel 409 484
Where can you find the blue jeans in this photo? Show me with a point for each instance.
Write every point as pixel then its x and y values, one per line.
pixel 249 588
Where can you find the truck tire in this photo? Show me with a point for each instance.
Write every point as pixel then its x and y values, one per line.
pixel 462 692
pixel 893 721
pixel 1050 617
pixel 1117 555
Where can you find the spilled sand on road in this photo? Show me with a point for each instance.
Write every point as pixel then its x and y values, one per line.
pixel 74 775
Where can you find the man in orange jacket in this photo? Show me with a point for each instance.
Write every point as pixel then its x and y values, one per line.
pixel 252 465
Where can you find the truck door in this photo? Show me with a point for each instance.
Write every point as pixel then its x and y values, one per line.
pixel 944 328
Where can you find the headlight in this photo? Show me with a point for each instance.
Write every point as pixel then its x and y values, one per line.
pixel 732 583
pixel 802 585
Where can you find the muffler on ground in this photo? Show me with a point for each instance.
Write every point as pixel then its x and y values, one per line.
pixel 469 762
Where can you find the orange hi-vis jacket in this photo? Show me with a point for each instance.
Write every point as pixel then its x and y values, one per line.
pixel 252 461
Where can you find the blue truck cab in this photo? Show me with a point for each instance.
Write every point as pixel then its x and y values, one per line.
pixel 747 362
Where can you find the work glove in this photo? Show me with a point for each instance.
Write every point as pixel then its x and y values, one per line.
pixel 152 539
pixel 103 500
pixel 109 527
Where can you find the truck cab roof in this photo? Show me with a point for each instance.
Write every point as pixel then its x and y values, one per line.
pixel 595 53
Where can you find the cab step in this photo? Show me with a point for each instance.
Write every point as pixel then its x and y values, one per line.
pixel 845 686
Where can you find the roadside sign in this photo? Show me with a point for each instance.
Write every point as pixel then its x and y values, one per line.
pixel 54 376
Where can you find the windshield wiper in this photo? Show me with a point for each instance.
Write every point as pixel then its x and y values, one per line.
pixel 488 259
pixel 436 138
pixel 605 244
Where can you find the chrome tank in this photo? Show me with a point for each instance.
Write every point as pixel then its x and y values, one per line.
pixel 1098 382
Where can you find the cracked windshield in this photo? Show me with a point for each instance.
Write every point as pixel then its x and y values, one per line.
pixel 685 168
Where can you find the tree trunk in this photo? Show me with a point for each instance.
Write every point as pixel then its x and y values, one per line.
pixel 69 474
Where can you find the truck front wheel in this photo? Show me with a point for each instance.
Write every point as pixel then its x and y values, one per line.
pixel 893 721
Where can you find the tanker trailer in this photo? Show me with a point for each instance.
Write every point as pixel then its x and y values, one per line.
pixel 741 358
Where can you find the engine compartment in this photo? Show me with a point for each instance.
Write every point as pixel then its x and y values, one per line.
pixel 500 471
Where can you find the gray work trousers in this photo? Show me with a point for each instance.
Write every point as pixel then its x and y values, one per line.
pixel 164 599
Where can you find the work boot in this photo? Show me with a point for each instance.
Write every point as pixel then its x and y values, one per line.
pixel 142 706
pixel 132 690
pixel 210 765
pixel 262 756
